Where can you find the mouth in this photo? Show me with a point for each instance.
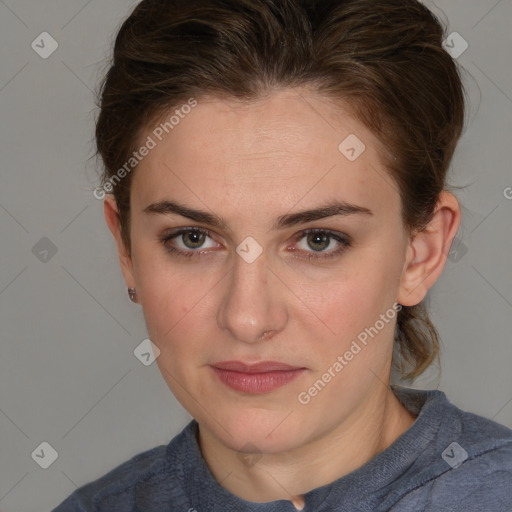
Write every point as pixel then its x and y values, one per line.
pixel 256 378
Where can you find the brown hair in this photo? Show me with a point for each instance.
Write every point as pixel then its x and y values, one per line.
pixel 384 59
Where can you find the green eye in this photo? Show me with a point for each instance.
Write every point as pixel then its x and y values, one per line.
pixel 319 240
pixel 195 236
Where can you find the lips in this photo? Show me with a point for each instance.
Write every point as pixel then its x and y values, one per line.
pixel 256 378
pixel 262 367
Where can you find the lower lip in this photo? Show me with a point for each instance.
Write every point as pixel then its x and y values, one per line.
pixel 256 383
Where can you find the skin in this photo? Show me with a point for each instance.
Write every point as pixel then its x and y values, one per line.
pixel 250 164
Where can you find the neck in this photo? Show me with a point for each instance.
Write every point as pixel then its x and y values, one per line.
pixel 376 424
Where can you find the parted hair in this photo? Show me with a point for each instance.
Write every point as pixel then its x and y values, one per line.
pixel 383 59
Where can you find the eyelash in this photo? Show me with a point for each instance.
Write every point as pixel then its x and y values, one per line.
pixel 343 240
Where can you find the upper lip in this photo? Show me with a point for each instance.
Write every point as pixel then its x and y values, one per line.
pixel 261 367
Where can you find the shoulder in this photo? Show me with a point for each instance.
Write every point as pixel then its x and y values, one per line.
pixel 479 464
pixel 468 465
pixel 478 442
pixel 148 474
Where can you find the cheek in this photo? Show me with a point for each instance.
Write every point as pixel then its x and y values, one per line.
pixel 172 323
pixel 172 307
pixel 160 291
pixel 357 296
pixel 179 315
pixel 351 308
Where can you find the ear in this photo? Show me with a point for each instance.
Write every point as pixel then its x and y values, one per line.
pixel 112 218
pixel 428 250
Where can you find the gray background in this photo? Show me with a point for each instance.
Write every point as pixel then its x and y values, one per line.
pixel 68 373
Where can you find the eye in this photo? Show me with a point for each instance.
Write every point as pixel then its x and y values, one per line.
pixel 190 239
pixel 321 239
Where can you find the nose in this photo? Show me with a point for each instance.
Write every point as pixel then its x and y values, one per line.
pixel 253 308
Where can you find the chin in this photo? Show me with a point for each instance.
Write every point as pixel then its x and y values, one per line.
pixel 260 428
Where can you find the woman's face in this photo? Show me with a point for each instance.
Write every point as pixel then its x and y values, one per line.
pixel 209 297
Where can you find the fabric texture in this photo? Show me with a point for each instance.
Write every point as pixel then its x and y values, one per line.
pixel 449 460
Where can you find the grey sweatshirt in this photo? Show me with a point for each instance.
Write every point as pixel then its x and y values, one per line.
pixel 447 461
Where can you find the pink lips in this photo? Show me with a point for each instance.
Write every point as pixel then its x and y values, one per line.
pixel 256 378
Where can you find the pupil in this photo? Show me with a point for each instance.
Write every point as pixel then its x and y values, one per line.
pixel 195 235
pixel 319 239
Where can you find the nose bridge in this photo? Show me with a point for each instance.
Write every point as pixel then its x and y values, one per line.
pixel 251 305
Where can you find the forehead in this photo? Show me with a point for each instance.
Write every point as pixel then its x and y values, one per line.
pixel 288 145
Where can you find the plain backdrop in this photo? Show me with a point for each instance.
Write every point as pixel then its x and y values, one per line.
pixel 69 376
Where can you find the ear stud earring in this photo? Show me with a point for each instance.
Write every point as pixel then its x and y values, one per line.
pixel 132 294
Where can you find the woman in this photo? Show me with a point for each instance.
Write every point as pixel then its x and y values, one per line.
pixel 275 182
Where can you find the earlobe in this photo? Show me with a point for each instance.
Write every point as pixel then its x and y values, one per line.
pixel 428 250
pixel 112 219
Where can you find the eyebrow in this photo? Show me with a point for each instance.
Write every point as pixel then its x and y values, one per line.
pixel 331 209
